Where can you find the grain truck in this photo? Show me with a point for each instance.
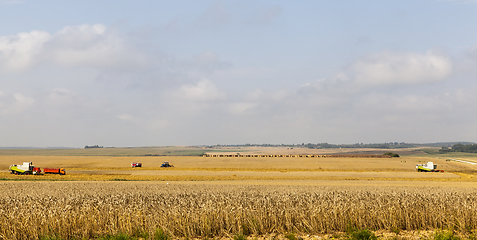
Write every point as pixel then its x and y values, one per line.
pixel 60 171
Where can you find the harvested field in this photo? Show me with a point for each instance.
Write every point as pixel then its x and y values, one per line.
pixel 190 168
pixel 158 175
pixel 284 174
pixel 403 164
pixel 88 209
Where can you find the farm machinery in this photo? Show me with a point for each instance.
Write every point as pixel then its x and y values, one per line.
pixel 136 164
pixel 28 169
pixel 166 165
pixel 428 167
pixel 60 171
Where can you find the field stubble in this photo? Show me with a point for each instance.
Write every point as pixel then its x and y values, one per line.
pixel 265 163
pixel 88 209
pixel 100 168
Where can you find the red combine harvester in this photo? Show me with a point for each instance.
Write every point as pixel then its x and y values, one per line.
pixel 60 171
pixel 134 164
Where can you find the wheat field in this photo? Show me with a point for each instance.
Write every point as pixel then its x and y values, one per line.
pixel 263 198
pixel 31 210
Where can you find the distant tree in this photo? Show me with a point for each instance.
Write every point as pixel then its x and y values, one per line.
pixel 391 154
pixel 470 148
pixel 458 147
pixel 95 146
pixel 445 150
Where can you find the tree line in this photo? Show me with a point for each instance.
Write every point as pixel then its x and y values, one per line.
pixel 386 145
pixel 469 148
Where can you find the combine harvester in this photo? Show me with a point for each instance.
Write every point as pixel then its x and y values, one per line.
pixel 26 169
pixel 428 167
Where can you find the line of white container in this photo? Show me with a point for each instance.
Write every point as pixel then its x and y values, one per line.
pixel 457 160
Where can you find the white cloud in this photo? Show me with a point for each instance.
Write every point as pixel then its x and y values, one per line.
pixel 16 103
pixel 23 101
pixel 61 97
pixel 257 101
pixel 387 104
pixel 61 91
pixel 255 95
pixel 326 93
pixel 92 45
pixel 260 97
pixel 20 51
pixel 207 62
pixel 204 91
pixel 251 74
pixel 191 100
pixel 83 45
pixel 241 107
pixel 206 58
pixel 389 68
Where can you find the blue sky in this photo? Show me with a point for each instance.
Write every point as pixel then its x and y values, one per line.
pixel 148 73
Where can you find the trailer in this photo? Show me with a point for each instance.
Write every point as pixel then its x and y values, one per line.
pixel 60 171
pixel 26 169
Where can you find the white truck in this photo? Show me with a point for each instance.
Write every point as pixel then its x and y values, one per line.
pixel 428 167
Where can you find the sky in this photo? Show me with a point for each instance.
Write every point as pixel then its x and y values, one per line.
pixel 160 73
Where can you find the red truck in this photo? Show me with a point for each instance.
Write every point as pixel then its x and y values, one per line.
pixel 60 171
